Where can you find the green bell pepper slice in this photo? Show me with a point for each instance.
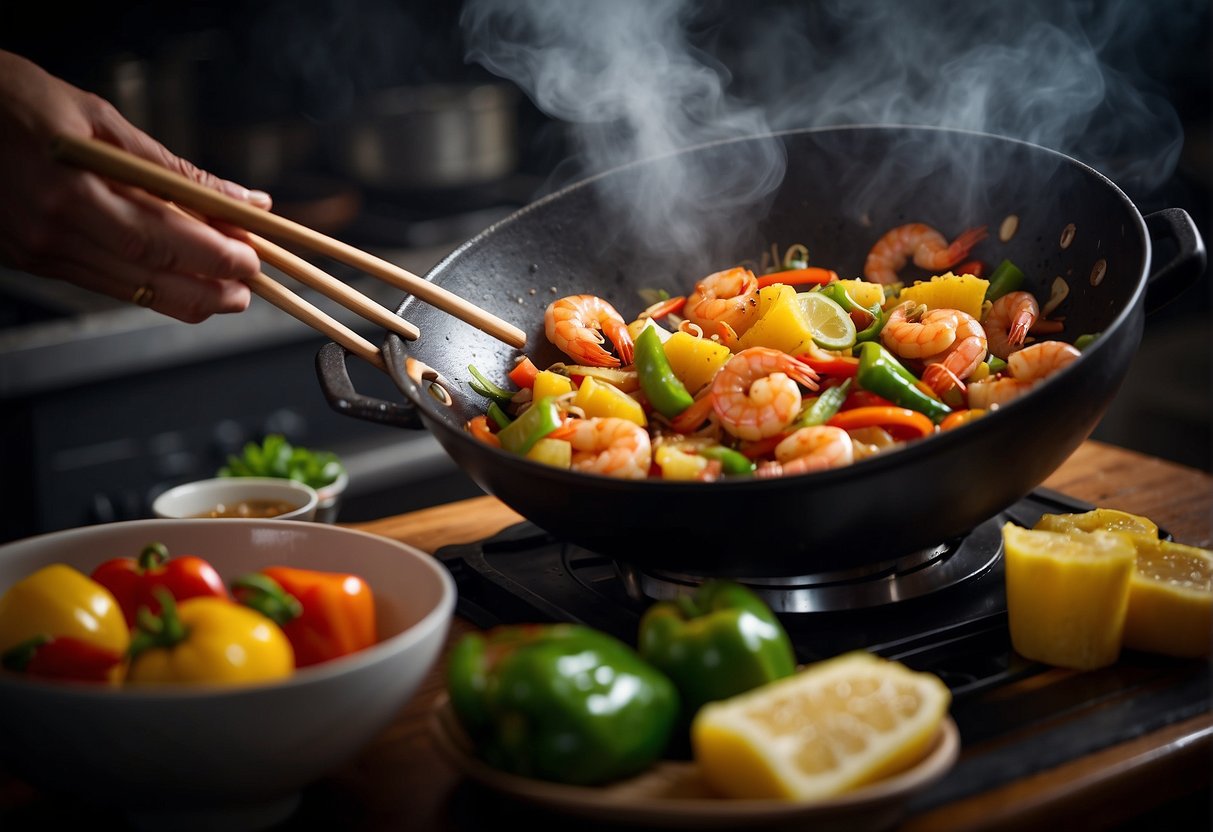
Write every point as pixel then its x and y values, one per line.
pixel 536 422
pixel 731 461
pixel 661 387
pixel 560 702
pixel 1006 278
pixel 882 374
pixel 717 642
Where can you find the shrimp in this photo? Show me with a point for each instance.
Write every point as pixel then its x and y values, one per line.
pixel 1008 321
pixel 1027 368
pixel 725 297
pixel 572 323
pixel 929 248
pixel 609 446
pixel 910 334
pixel 755 395
pixel 808 449
pixel 947 369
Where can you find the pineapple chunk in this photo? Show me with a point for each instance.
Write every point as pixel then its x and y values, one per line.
pixel 555 452
pixel 949 291
pixel 679 465
pixel 695 360
pixel 865 293
pixel 781 324
pixel 597 398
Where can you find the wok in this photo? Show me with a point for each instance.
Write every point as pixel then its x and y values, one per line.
pixel 843 188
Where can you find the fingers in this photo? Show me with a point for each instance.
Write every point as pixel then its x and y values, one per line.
pixel 188 298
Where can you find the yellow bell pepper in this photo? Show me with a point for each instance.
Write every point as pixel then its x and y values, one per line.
pixel 548 383
pixel 781 324
pixel 695 360
pixel 59 602
pixel 597 398
pixel 208 641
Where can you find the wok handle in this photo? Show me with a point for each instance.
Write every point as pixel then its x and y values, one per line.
pixel 1188 263
pixel 339 391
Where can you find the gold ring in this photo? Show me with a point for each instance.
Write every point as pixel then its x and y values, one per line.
pixel 143 296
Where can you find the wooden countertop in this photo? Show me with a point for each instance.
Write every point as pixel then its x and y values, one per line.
pixel 402 782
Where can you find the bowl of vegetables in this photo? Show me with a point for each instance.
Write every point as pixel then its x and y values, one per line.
pixel 276 457
pixel 201 673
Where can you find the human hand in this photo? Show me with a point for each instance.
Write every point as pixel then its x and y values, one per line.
pixel 60 222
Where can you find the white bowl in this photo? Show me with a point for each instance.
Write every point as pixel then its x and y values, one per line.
pixel 199 498
pixel 213 757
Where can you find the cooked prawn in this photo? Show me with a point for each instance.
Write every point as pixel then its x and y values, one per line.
pixel 1008 321
pixel 755 394
pixel 949 368
pixel 1026 368
pixel 575 325
pixel 911 333
pixel 808 449
pixel 726 297
pixel 609 446
pixel 929 248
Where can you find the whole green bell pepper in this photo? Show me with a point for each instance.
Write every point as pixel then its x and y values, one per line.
pixel 882 374
pixel 717 642
pixel 560 702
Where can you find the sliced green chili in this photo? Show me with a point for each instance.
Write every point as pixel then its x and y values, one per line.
pixel 824 406
pixel 498 415
pixel 997 365
pixel 882 374
pixel 488 389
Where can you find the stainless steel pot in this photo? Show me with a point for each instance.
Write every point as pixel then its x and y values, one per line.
pixel 430 137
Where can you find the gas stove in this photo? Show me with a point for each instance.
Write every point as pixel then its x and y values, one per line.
pixel 942 610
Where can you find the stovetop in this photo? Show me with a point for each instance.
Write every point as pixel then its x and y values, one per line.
pixel 1015 716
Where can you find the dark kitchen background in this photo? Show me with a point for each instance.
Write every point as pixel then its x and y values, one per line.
pixel 103 404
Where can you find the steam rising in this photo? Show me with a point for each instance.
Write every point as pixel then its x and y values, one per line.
pixel 635 79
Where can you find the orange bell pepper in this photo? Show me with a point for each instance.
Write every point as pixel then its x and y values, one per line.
pixel 325 615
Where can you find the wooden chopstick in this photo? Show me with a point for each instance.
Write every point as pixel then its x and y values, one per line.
pixel 269 289
pixel 112 162
pixel 326 284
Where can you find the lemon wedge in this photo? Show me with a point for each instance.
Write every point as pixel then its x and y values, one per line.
pixel 1067 594
pixel 1170 600
pixel 830 728
pixel 1170 608
pixel 829 324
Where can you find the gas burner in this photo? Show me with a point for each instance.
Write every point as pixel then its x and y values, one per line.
pixel 886 582
pixel 943 608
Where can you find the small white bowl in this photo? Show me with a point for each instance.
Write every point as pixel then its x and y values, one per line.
pixel 231 758
pixel 201 497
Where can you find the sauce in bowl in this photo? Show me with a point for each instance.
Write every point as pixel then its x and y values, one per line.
pixel 250 508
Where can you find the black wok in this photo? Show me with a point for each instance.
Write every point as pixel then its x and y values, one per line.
pixel 843 188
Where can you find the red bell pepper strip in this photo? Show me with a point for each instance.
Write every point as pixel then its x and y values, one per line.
pixel 973 267
pixel 478 426
pixel 524 373
pixel 762 447
pixel 132 581
pixel 827 364
pixel 912 423
pixel 325 615
pixel 669 306
pixel 689 420
pixel 63 657
pixel 858 397
pixel 798 277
